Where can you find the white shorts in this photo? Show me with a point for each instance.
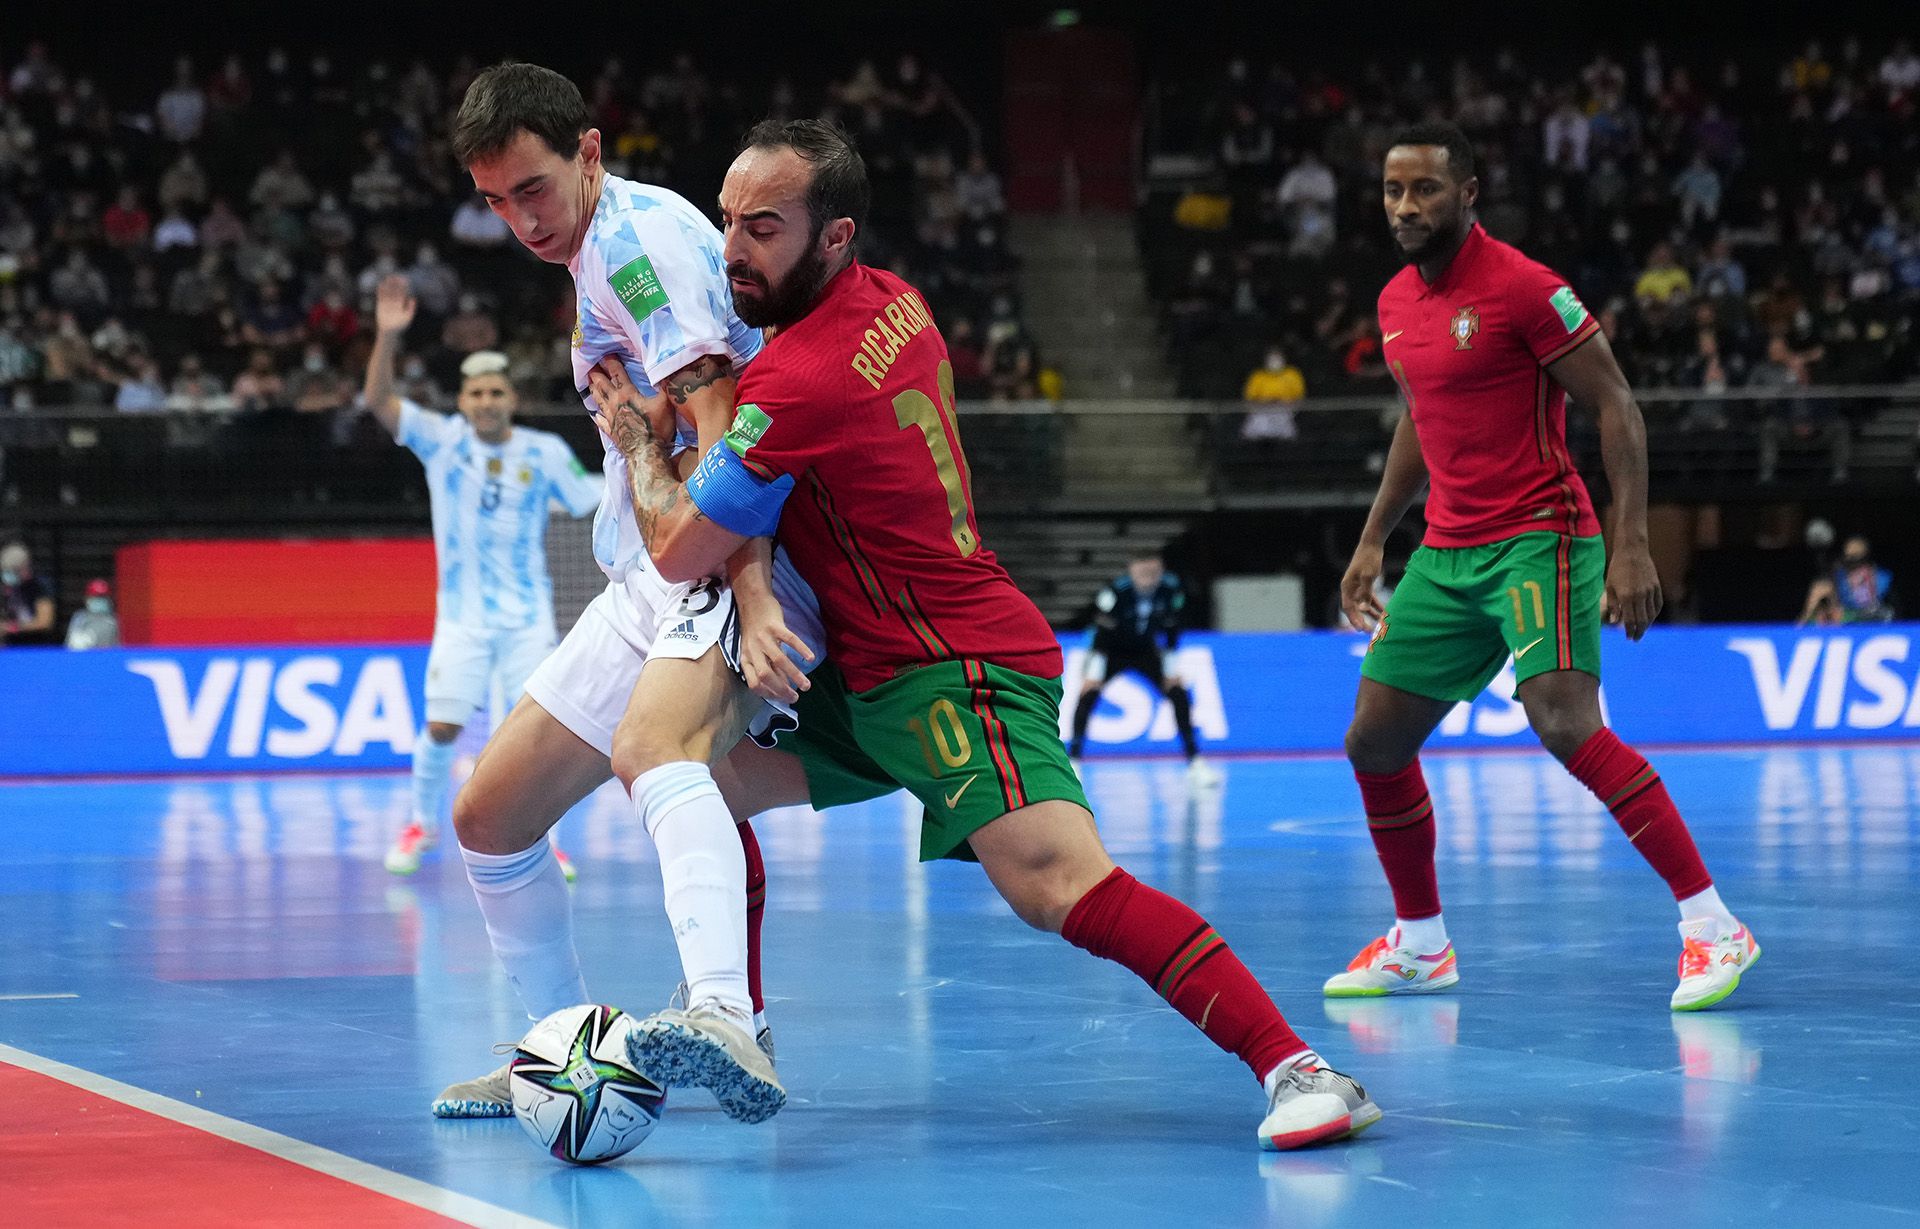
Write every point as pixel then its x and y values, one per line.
pixel 586 683
pixel 466 661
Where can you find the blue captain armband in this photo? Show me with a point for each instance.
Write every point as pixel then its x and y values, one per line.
pixel 735 498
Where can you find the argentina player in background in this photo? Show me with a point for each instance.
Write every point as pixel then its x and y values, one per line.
pixel 490 484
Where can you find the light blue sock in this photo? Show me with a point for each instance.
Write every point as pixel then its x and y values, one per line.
pixel 432 763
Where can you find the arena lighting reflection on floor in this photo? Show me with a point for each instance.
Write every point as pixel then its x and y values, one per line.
pixel 233 944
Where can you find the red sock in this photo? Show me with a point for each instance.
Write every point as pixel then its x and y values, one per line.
pixel 1632 790
pixel 756 905
pixel 1400 820
pixel 1172 949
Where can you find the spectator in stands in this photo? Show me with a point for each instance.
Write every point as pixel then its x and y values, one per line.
pixel 222 227
pixel 183 184
pixel 1899 74
pixel 19 364
pixel 26 601
pixel 95 626
pixel 436 286
pixel 318 387
pixel 281 185
pixel 470 329
pixel 1798 419
pixel 231 90
pixel 1721 275
pixel 1698 190
pixel 378 188
pixel 271 321
pixel 68 363
pixel 330 226
pixel 126 224
pixel 969 364
pixel 182 109
pixel 1246 155
pixel 333 322
pixel 79 286
pixel 1856 591
pixel 1306 197
pixel 1663 281
pixel 260 387
pixel 979 190
pixel 194 388
pixel 1565 134
pixel 416 383
pixel 176 232
pixel 141 392
pixel 476 226
pixel 1275 386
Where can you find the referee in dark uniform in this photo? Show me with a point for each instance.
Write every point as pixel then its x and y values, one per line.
pixel 1137 621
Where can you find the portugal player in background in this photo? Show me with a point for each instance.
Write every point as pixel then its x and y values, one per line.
pixel 1487 345
pixel 943 677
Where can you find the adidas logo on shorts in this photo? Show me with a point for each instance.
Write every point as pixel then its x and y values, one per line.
pixel 684 631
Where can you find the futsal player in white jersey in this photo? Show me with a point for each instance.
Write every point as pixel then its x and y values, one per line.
pixel 489 483
pixel 649 682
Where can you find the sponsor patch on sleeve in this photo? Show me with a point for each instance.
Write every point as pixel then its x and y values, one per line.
pixel 638 288
pixel 1573 313
pixel 750 422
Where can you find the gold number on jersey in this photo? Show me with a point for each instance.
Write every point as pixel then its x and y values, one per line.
pixel 1539 608
pixel 948 738
pixel 914 408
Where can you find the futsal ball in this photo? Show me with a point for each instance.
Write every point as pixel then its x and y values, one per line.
pixel 575 1091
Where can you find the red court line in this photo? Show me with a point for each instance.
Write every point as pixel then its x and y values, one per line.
pixel 70 1155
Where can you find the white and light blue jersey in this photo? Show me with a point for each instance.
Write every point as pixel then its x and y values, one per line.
pixel 650 286
pixel 490 515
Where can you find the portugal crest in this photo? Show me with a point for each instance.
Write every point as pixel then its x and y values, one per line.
pixel 1466 322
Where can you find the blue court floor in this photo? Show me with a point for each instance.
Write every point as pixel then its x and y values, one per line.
pixel 234 944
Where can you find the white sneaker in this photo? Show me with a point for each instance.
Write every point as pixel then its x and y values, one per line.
pixel 1713 955
pixel 708 1047
pixel 490 1096
pixel 1202 775
pixel 1383 968
pixel 404 857
pixel 1311 1103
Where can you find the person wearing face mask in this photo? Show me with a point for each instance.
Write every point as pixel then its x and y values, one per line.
pixel 318 387
pixel 1856 591
pixel 1275 383
pixel 95 626
pixel 490 483
pixel 25 599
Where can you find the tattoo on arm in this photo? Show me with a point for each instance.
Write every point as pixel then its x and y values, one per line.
pixel 706 370
pixel 651 478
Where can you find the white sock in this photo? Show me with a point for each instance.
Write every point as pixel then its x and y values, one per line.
pixel 523 897
pixel 1425 935
pixel 1272 1077
pixel 432 762
pixel 1704 905
pixel 703 870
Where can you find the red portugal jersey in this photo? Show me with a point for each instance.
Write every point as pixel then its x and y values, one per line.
pixel 1470 353
pixel 854 402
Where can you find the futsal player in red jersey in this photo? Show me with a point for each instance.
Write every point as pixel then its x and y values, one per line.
pixel 1487 345
pixel 940 675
